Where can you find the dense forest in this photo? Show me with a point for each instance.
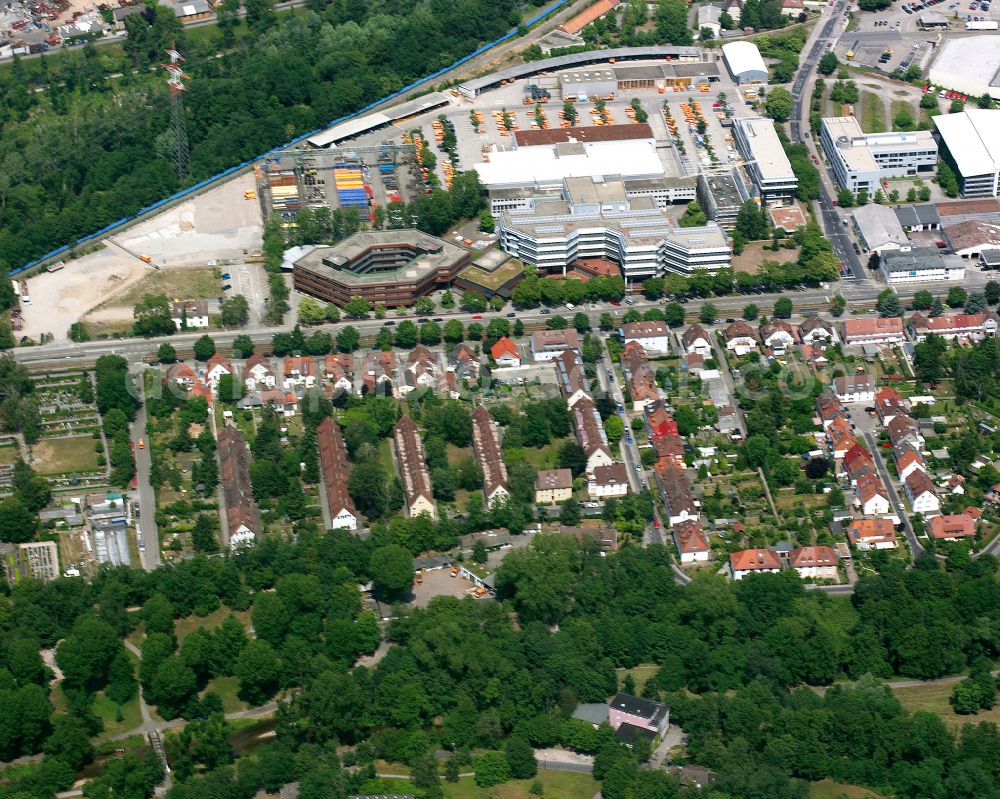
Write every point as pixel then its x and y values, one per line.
pixel 465 676
pixel 79 150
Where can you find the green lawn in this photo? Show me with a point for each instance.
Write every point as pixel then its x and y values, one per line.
pixel 184 627
pixel 557 785
pixel 871 113
pixel 828 789
pixel 106 710
pixel 544 458
pixel 902 105
pixel 61 455
pixel 227 688
pixel 641 674
pixel 935 699
pixel 8 455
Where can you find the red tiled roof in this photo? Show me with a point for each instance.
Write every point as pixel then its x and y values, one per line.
pixel 754 560
pixel 960 525
pixel 803 557
pixel 866 327
pixel 870 530
pixel 689 537
pixel 336 468
pixel 588 15
pixel 504 346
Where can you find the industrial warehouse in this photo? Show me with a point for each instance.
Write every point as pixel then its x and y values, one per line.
pixel 586 158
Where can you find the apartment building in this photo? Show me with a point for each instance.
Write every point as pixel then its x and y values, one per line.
pixel 243 522
pixel 413 469
pixel 486 446
pixel 336 469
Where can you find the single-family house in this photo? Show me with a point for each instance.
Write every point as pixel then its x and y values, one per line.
pixel 904 430
pixel 753 561
pixel 215 368
pixel 842 444
pixel 189 314
pixel 868 534
pixel 922 493
pixel 854 388
pixel 553 485
pixel 858 461
pixel 299 372
pixel 818 563
pixel 889 403
pixel 643 713
pixel 465 364
pixel 421 371
pixel 691 542
pixel 697 340
pixel 873 497
pixel 505 353
pixel 909 460
pixel 740 337
pixel 339 371
pixel 379 373
pixel 653 336
pixel 815 330
pixel 608 481
pixel 951 527
pixel 778 335
pixel 284 403
pixel 871 330
pixel 258 374
pixel 814 357
pixel 183 375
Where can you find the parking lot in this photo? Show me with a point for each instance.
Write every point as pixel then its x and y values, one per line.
pixel 248 280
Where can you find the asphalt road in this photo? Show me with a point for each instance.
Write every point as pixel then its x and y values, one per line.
pixel 150 553
pixel 911 537
pixel 829 33
pixel 855 292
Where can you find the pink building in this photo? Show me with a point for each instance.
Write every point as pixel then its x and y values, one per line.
pixel 642 713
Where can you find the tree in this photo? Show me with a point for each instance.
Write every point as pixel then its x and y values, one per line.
pixel 258 669
pixel 152 316
pixel 348 339
pixel 473 302
pixel 430 333
pixel 391 569
pixel 69 742
pixel 614 428
pixel 750 312
pixel 922 300
pixel 166 354
pixel 407 334
pixel 783 308
pixel 606 322
pixel 569 514
pixel 520 758
pixel 231 389
pixel 845 198
pixel 673 314
pixel 889 304
pixel 828 63
pixel 454 332
pixel 235 312
pixel 708 313
pixel 204 348
pixel 203 535
pixel 172 687
pixel 357 308
pixel 751 221
pixel 694 216
pixel 479 553
pixel 571 456
pixel 904 119
pixel 957 297
pixel 17 523
pixel 778 104
pixel 491 768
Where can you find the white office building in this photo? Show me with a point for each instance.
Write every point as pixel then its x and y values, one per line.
pixel 861 160
pixel 921 265
pixel 767 163
pixel 595 219
pixel 971 142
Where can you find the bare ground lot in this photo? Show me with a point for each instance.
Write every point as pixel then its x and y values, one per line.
pixel 219 224
pixel 440 583
pixel 60 455
pixel 181 283
pixel 60 298
pixel 750 259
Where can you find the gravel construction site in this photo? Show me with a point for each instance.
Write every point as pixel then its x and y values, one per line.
pixel 219 226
